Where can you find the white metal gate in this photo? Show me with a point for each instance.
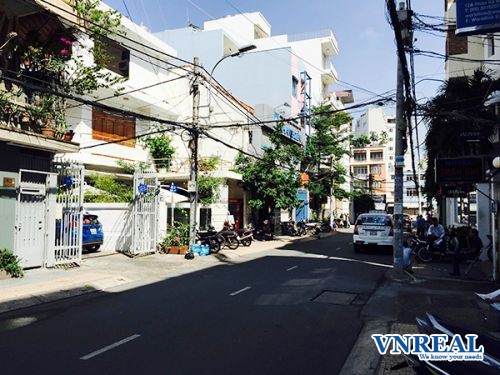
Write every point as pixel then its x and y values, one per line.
pixel 67 244
pixel 145 213
pixel 31 217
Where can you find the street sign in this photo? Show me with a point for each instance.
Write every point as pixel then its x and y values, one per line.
pixel 191 186
pixel 142 188
pixel 173 188
pixel 477 16
pixel 456 191
pixel 399 161
pixel 459 170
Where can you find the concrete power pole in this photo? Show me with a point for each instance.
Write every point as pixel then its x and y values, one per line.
pixel 402 16
pixel 193 146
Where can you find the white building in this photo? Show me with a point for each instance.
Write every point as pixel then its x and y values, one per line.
pixel 372 165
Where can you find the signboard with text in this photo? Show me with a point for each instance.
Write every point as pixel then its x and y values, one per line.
pixel 477 16
pixel 464 170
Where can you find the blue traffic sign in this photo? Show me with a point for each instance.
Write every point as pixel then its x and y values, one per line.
pixel 143 188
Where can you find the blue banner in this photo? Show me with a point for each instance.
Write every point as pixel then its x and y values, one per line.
pixel 477 16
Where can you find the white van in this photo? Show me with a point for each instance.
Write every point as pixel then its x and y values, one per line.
pixel 373 229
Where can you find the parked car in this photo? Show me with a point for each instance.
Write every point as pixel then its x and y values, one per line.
pixel 373 229
pixel 92 233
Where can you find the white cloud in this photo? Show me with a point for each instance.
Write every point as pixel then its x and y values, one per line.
pixel 369 33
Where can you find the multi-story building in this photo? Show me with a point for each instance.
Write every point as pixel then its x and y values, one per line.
pixel 372 163
pixel 464 55
pixel 282 76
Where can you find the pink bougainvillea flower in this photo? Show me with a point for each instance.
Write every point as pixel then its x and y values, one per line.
pixel 66 41
pixel 64 52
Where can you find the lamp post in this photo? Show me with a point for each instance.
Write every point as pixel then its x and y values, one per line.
pixel 195 135
pixel 240 51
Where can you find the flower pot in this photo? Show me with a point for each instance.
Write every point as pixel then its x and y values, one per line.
pixel 48 132
pixel 68 136
pixel 183 250
pixel 174 249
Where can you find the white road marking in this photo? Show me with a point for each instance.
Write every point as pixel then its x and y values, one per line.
pixel 292 268
pixel 240 291
pixel 109 347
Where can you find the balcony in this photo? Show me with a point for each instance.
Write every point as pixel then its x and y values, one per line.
pixel 329 75
pixel 329 45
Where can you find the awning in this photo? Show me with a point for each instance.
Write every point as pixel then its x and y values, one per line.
pixel 62 8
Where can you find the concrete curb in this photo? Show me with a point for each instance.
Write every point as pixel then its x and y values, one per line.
pixel 364 358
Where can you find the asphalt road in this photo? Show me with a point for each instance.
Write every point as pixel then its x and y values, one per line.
pixel 294 310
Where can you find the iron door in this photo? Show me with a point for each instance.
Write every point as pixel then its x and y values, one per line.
pixel 30 227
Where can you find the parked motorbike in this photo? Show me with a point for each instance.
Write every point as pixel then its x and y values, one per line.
pixel 323 228
pixel 245 236
pixel 288 229
pixel 264 233
pixel 416 244
pixel 209 238
pixel 228 238
pixel 301 228
pixel 433 249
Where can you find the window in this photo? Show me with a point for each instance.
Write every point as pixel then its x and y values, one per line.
pixel 376 169
pixel 360 170
pixel 377 184
pixel 111 127
pixel 119 57
pixel 376 155
pixel 360 156
pixel 391 157
pixel 391 130
pixel 490 40
pixel 392 177
pixel 391 148
pixel 295 83
pixel 411 192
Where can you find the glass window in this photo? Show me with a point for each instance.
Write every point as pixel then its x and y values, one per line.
pixel 376 155
pixel 374 220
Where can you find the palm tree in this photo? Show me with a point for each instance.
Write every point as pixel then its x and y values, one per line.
pixel 457 109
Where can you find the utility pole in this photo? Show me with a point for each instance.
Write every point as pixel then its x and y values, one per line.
pixel 399 20
pixel 193 146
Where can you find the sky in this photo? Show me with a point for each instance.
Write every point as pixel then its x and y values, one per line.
pixel 367 51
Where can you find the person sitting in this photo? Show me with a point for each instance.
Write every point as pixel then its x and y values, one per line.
pixel 474 243
pixel 436 233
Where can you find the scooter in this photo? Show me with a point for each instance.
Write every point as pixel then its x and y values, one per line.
pixel 209 238
pixel 434 249
pixel 264 233
pixel 245 236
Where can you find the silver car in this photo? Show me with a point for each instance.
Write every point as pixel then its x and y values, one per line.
pixel 373 229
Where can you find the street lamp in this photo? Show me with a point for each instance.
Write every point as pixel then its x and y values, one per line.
pixel 237 53
pixel 240 51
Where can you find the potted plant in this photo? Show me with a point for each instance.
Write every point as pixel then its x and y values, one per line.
pixel 176 241
pixel 161 149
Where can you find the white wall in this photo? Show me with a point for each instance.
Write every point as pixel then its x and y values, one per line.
pixel 116 220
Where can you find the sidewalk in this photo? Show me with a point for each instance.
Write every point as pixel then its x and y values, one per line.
pixel 398 301
pixel 109 270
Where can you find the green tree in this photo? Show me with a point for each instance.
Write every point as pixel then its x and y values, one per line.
pixel 459 107
pixel 323 152
pixel 274 178
pixel 161 149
